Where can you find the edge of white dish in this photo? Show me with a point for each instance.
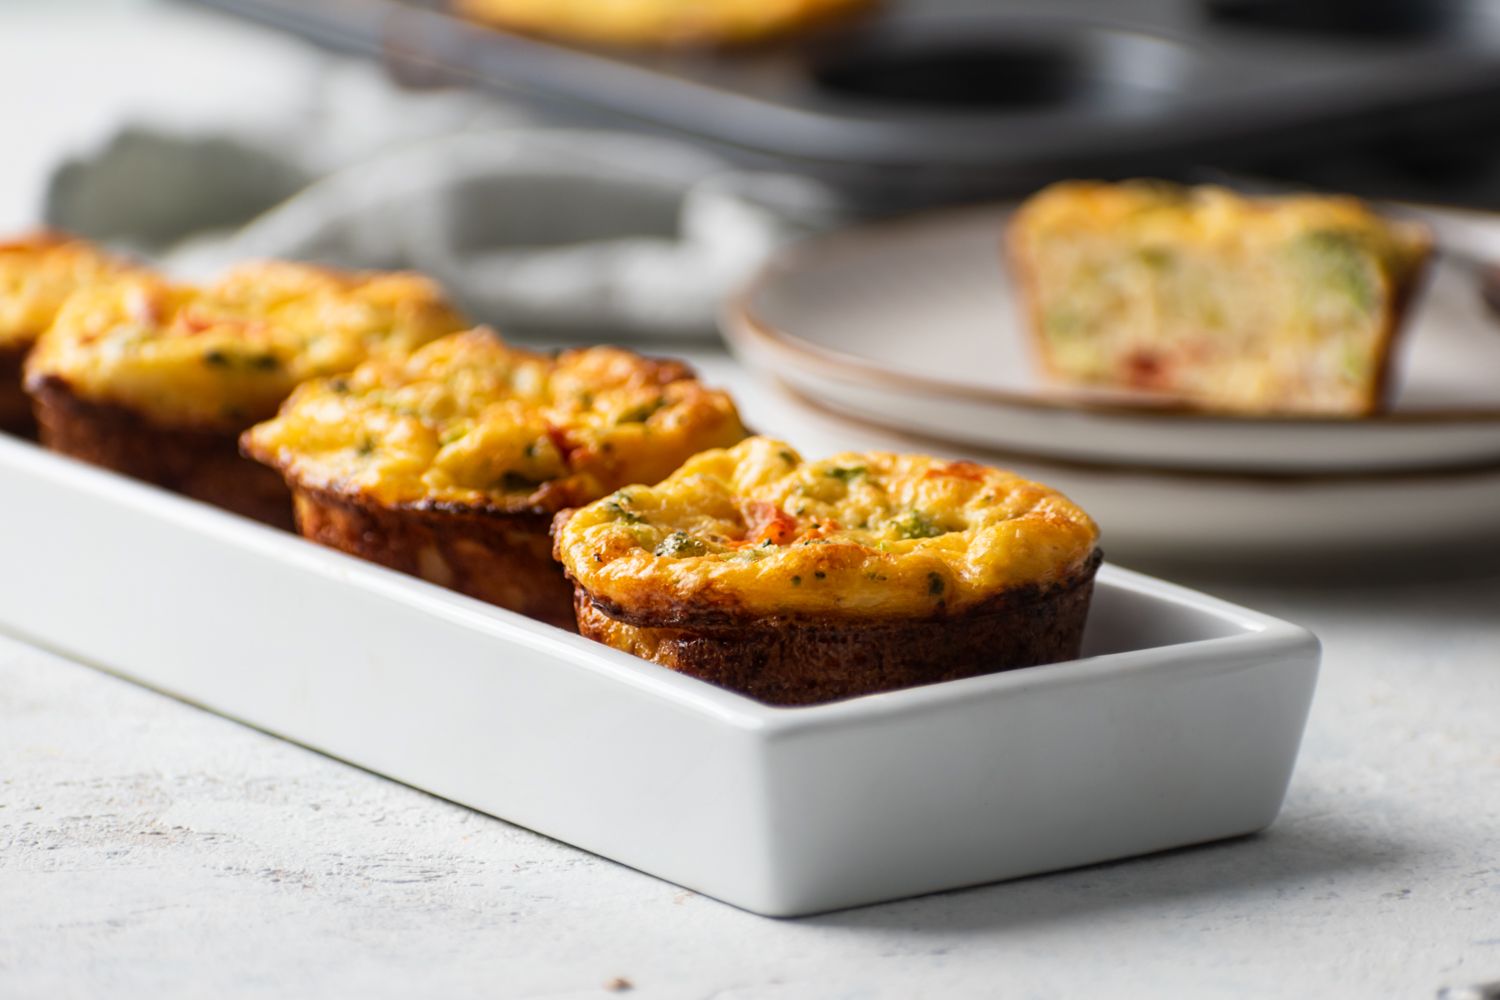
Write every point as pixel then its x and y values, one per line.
pixel 781 811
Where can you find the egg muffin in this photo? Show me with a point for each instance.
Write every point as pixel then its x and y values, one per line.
pixel 37 273
pixel 450 463
pixel 800 582
pixel 659 23
pixel 1207 298
pixel 157 380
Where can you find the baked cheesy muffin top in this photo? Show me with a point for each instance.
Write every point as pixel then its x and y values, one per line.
pixel 757 529
pixel 226 354
pixel 1269 304
pixel 657 22
pixel 470 421
pixel 37 273
pixel 1167 213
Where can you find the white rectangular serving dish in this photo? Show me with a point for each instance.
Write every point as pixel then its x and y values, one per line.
pixel 1179 725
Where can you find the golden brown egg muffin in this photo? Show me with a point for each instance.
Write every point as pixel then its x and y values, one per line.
pixel 1208 298
pixel 799 582
pixel 449 464
pixel 37 273
pixel 157 380
pixel 659 23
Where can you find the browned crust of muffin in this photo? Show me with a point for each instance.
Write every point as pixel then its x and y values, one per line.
pixel 201 463
pixel 504 558
pixel 1404 293
pixel 799 660
pixel 15 405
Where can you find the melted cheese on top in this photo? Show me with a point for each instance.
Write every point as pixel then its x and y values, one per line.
pixel 224 355
pixel 756 528
pixel 470 421
pixel 1169 213
pixel 656 22
pixel 37 273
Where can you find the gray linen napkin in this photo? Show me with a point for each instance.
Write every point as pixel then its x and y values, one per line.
pixel 542 232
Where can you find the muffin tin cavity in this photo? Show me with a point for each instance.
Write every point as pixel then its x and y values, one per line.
pixel 1335 19
pixel 1000 65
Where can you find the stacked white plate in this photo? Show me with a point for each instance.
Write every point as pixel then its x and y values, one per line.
pixel 911 329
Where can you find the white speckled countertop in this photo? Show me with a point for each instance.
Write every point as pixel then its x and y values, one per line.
pixel 148 849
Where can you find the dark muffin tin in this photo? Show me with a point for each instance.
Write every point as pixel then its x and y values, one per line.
pixel 936 100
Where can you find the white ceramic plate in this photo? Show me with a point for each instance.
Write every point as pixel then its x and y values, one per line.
pixel 912 325
pixel 1179 725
